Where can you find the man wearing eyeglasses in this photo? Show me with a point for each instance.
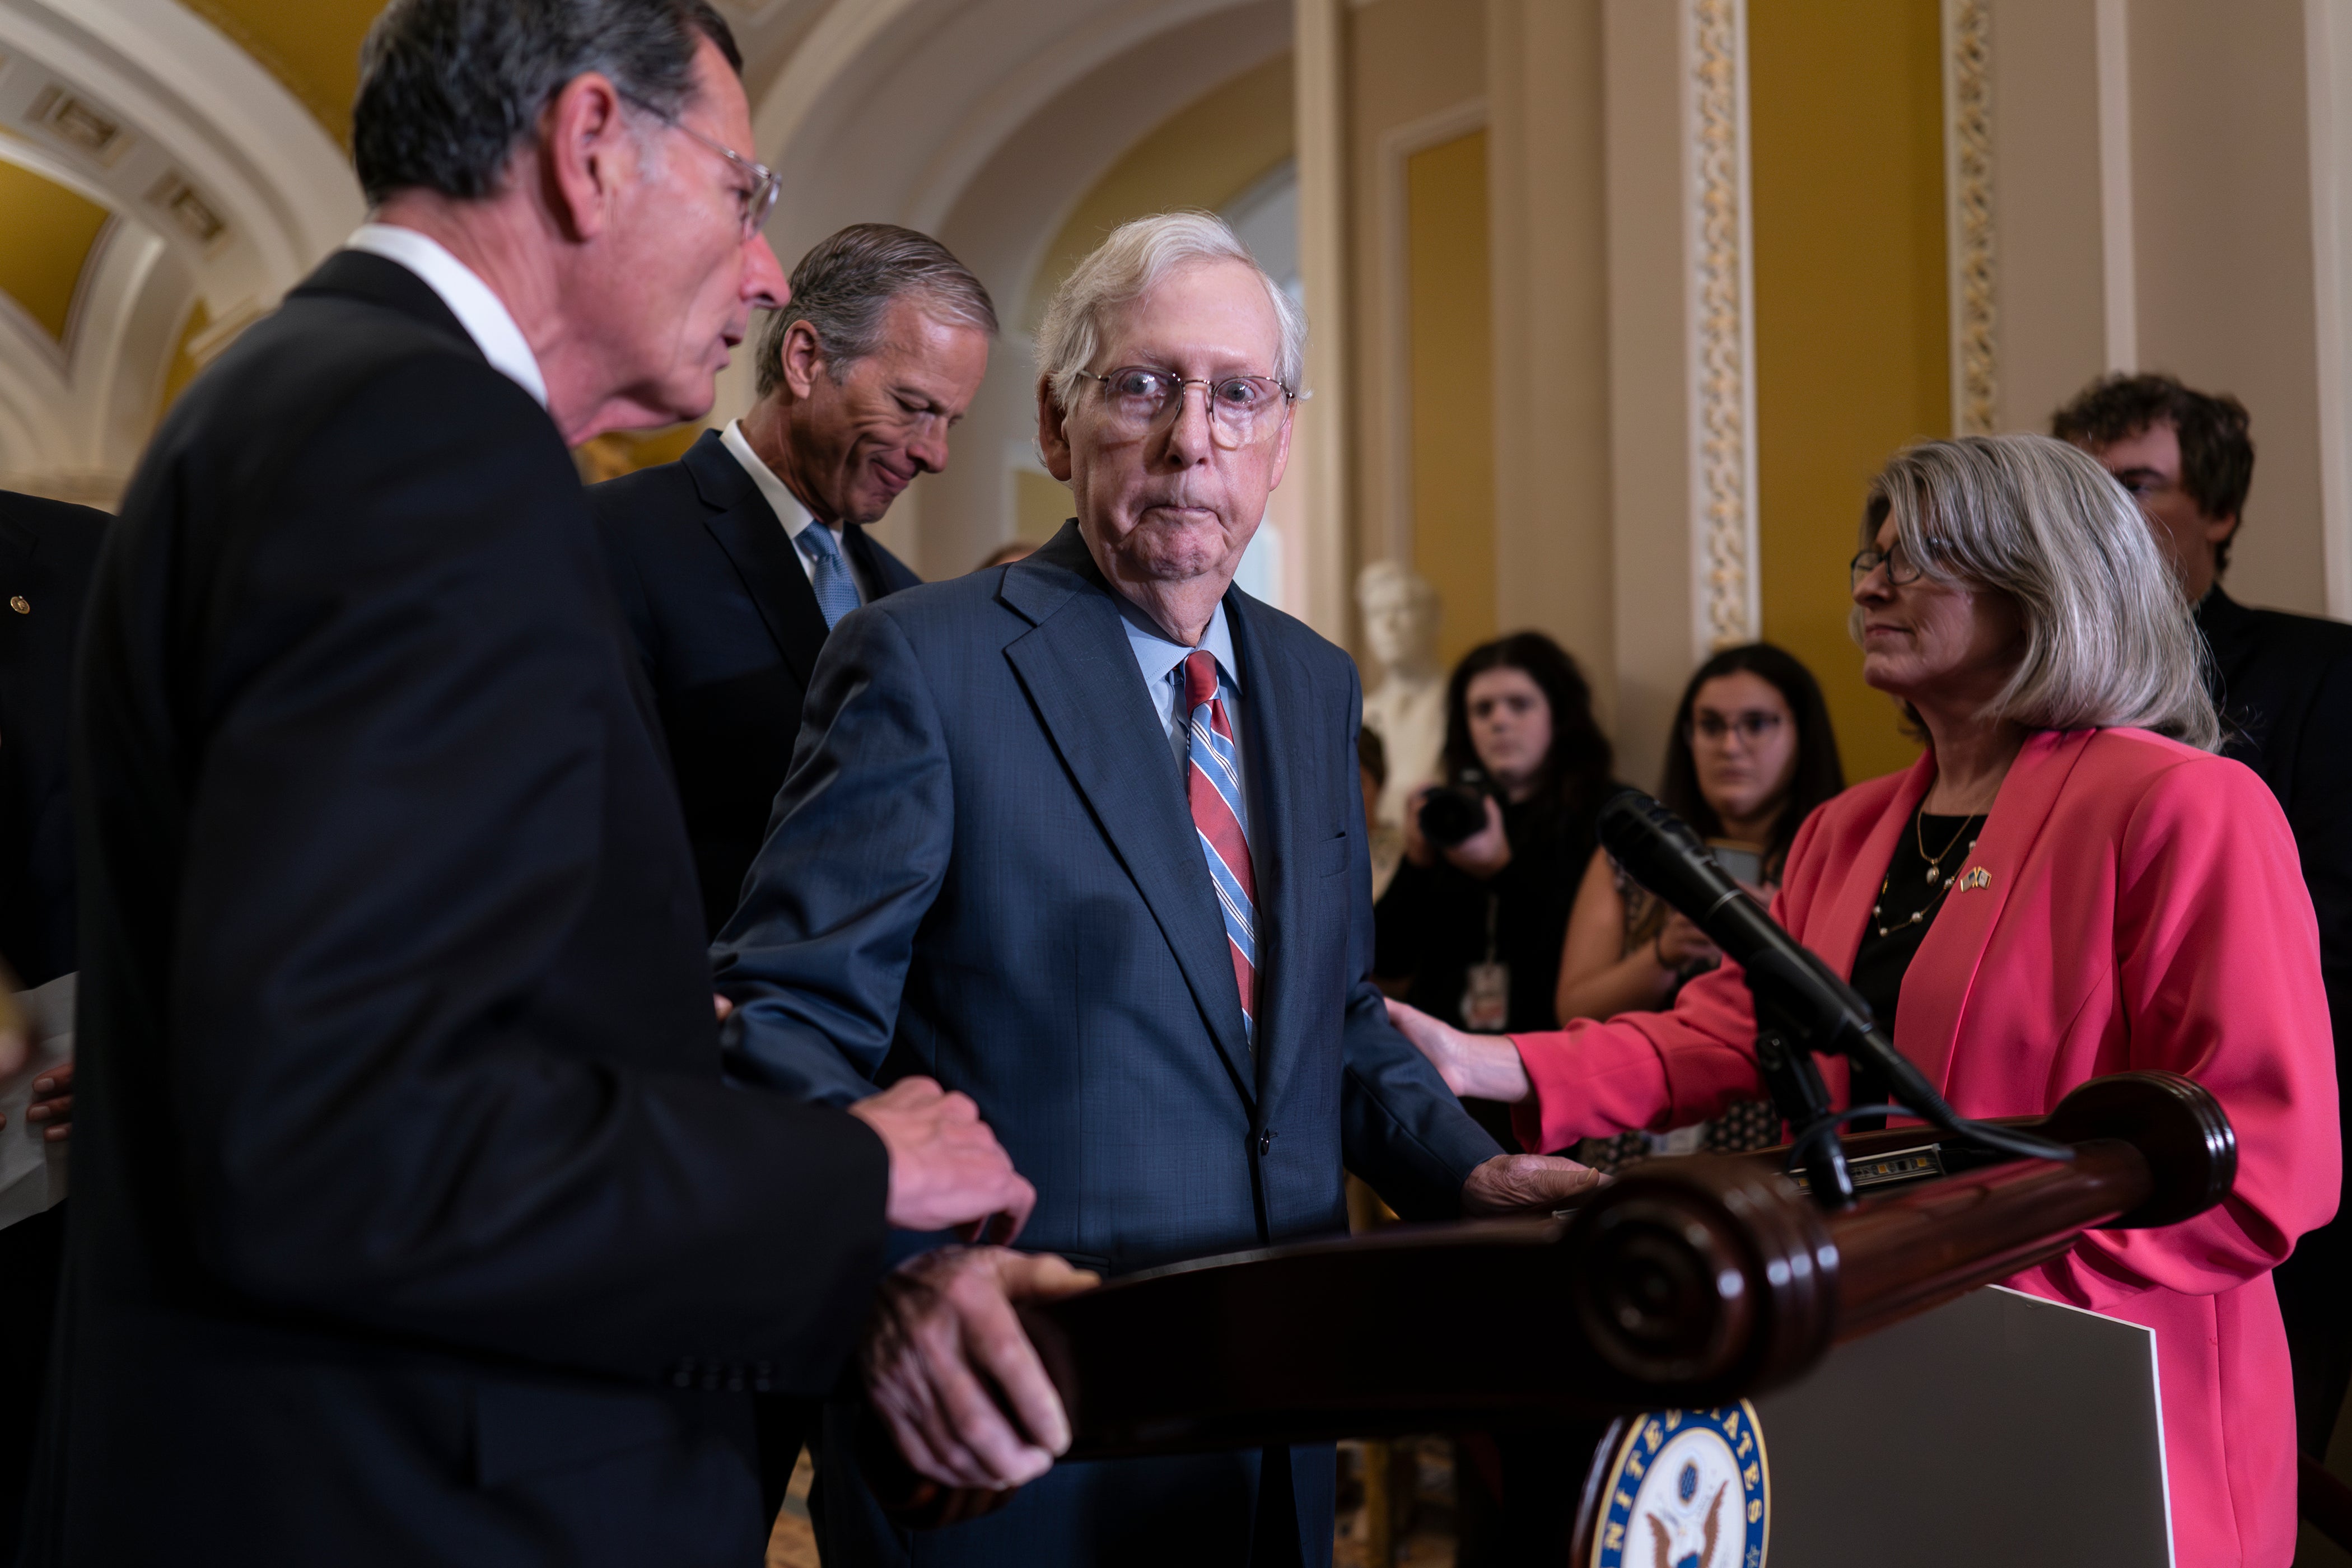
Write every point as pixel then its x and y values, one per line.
pixel 733 564
pixel 1083 837
pixel 2284 684
pixel 413 1223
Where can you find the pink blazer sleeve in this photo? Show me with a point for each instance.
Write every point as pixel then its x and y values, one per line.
pixel 2217 957
pixel 1594 1080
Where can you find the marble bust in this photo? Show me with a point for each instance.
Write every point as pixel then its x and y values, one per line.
pixel 1407 705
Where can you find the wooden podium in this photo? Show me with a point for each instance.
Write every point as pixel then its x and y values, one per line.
pixel 1771 1379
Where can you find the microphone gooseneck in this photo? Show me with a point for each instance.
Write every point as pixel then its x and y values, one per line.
pixel 1819 1009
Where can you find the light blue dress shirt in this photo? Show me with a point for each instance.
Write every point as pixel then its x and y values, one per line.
pixel 1162 662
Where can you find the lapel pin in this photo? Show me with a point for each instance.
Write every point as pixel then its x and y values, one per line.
pixel 21 605
pixel 1974 876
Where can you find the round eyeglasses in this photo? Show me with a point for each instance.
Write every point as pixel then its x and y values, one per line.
pixel 1717 728
pixel 1241 407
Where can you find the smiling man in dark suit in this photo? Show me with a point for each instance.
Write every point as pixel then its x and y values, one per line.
pixel 1084 837
pixel 413 1220
pixel 734 563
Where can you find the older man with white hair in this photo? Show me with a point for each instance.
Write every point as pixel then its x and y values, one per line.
pixel 1083 837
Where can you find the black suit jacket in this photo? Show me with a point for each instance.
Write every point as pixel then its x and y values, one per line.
pixel 729 630
pixel 46 551
pixel 413 1221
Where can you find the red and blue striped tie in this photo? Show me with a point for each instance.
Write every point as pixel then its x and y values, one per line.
pixel 1213 782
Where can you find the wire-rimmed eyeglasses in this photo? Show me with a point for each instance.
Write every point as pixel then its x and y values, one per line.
pixel 1241 407
pixel 758 199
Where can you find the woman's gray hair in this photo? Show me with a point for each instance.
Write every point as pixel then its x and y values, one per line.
pixel 1131 264
pixel 2108 638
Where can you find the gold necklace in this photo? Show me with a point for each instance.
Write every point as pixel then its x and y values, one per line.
pixel 1936 862
pixel 1934 876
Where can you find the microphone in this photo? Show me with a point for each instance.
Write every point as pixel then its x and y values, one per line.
pixel 1659 850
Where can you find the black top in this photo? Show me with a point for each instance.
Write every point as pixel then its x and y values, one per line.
pixel 1911 894
pixel 1432 920
pixel 405 1183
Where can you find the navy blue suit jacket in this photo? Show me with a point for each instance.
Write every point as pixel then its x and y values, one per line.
pixel 729 630
pixel 982 868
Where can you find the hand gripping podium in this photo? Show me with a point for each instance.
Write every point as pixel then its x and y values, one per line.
pixel 1758 1376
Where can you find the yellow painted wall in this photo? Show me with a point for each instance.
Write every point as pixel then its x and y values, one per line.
pixel 1041 504
pixel 1449 322
pixel 311 46
pixel 1203 155
pixel 1852 337
pixel 46 233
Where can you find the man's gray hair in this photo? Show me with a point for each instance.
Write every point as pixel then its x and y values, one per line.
pixel 844 286
pixel 1131 264
pixel 450 88
pixel 2108 638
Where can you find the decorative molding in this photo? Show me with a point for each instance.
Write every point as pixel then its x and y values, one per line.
pixel 2118 262
pixel 1394 150
pixel 1722 321
pixel 1968 215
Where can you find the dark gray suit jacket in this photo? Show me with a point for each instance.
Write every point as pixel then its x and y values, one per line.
pixel 983 868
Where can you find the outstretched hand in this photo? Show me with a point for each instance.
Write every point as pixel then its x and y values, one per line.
pixel 947 1169
pixel 951 1373
pixel 1527 1184
pixel 1486 1067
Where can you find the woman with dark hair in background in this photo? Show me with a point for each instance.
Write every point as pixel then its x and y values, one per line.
pixel 1750 756
pixel 1745 763
pixel 1473 926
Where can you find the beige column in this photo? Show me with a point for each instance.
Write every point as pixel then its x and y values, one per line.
pixel 1547 194
pixel 1319 457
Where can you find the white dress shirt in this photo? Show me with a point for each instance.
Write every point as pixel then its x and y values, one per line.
pixel 789 511
pixel 1162 664
pixel 482 313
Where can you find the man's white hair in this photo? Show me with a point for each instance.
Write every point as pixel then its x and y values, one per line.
pixel 1130 264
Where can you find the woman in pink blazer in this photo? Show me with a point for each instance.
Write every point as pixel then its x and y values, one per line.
pixel 2068 884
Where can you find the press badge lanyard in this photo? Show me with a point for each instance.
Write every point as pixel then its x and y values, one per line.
pixel 1486 998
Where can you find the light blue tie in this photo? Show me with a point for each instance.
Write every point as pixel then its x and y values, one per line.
pixel 836 590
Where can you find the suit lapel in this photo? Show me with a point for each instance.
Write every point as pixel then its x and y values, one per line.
pixel 1280 729
pixel 1079 673
pixel 20 546
pixel 754 537
pixel 1928 1017
pixel 868 563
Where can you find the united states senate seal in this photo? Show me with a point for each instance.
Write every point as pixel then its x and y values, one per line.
pixel 1686 1488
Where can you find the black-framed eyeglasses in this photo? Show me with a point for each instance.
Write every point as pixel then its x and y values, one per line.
pixel 1241 407
pixel 1751 726
pixel 1900 568
pixel 758 199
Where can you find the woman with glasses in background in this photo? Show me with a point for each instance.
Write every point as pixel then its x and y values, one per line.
pixel 1750 756
pixel 2068 884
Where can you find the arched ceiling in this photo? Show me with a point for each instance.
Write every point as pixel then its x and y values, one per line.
pixel 51 233
pixel 169 168
pixel 310 46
